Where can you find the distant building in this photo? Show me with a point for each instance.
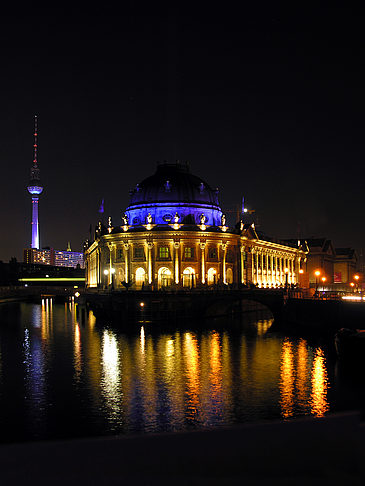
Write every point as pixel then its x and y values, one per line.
pixel 336 265
pixel 174 235
pixel 58 258
pixel 345 265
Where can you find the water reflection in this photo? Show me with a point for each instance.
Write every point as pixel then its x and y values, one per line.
pixel 303 380
pixel 110 382
pixel 192 372
pixel 287 380
pixel 319 402
pixel 146 380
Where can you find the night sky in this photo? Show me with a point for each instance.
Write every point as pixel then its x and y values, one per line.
pixel 264 103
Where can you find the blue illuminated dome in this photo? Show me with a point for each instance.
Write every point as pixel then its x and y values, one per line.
pixel 173 189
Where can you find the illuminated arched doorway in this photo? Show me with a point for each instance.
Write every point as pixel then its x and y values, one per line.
pixel 229 276
pixel 164 277
pixel 212 276
pixel 140 277
pixel 189 277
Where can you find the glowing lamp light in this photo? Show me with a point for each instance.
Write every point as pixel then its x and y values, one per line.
pixel 356 277
pixel 323 279
pixel 77 294
pixel 106 272
pixel 203 227
pixel 317 273
pixel 286 270
pixel 301 271
pixel 141 304
pixel 352 284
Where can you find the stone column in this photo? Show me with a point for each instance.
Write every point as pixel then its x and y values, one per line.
pixel 149 261
pixel 126 262
pixel 202 246
pixel 272 270
pixel 253 259
pixel 110 275
pixel 98 280
pixel 176 265
pixel 224 248
pixel 242 250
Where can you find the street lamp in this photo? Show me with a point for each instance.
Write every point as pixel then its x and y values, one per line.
pixel 111 273
pixel 356 277
pixel 317 273
pixel 323 281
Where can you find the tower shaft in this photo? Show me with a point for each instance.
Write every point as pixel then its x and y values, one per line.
pixel 35 223
pixel 35 188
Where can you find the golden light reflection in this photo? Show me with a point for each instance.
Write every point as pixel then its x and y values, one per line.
pixel 287 380
pixel 191 355
pixel 77 352
pixel 319 402
pixel 227 383
pixel 169 348
pixel 142 340
pixel 111 375
pixel 263 325
pixel 149 382
pixel 302 381
pixel 91 320
pixel 215 365
pixel 46 317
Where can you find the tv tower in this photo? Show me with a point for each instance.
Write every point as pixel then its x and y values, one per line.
pixel 35 188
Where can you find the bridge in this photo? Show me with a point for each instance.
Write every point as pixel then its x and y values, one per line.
pixel 288 308
pixel 193 304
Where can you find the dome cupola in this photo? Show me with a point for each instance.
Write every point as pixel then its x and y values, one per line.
pixel 173 190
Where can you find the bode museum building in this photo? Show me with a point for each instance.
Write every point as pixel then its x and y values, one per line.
pixel 174 235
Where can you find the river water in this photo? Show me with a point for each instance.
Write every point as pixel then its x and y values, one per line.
pixel 63 377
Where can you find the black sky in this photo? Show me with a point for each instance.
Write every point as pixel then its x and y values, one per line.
pixel 265 103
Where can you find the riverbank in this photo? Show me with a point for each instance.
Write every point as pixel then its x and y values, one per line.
pixel 325 451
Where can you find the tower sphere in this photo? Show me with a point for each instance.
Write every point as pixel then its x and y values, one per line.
pixel 35 189
pixel 174 190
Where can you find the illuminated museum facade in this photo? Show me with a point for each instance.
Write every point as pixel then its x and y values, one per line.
pixel 174 235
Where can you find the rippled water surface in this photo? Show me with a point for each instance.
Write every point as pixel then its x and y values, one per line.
pixel 61 376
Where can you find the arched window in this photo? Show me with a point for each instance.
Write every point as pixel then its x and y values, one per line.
pixel 164 277
pixel 229 276
pixel 189 278
pixel 212 276
pixel 140 277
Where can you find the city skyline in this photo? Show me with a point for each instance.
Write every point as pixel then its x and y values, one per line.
pixel 267 107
